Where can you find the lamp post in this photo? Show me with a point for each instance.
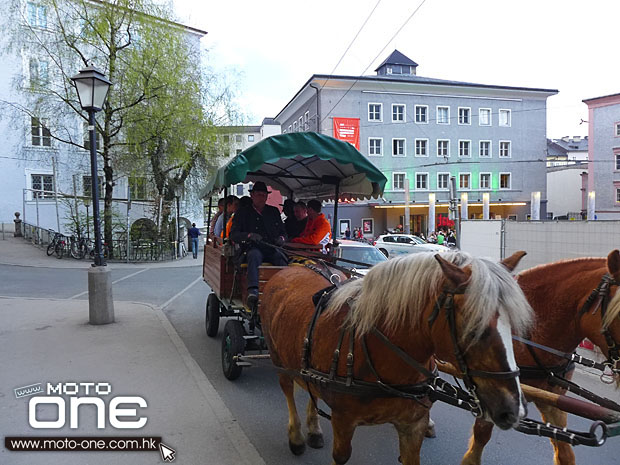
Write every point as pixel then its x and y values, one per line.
pixel 92 88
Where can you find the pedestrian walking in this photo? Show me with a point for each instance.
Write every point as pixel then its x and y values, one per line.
pixel 193 233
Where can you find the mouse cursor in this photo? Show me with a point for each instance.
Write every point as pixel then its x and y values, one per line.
pixel 167 453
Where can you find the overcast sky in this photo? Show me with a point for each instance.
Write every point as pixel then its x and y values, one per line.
pixel 274 46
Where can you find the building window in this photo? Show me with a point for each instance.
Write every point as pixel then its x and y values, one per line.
pixel 443 148
pixel 398 181
pixel 137 188
pixel 617 161
pixel 464 115
pixel 250 137
pixel 375 147
pixel 504 149
pixel 421 181
pixel 239 188
pixel 398 113
pixel 294 126
pixel 485 181
pixel 374 112
pixel 504 180
pixel 39 75
pixel 290 128
pixel 464 181
pixel 86 138
pixel 238 138
pixel 442 181
pixel 42 186
pixel 464 148
pixel 398 147
pixel 443 115
pixel 238 151
pixel 504 118
pixel 87 186
pixel 37 14
pixel 301 123
pixel 484 118
pixel 485 149
pixel 307 121
pixel 40 134
pixel 617 195
pixel 226 139
pixel 421 147
pixel 421 114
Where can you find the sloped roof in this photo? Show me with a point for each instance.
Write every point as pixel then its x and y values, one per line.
pixel 397 58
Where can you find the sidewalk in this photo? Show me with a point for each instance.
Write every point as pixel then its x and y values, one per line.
pixel 141 354
pixel 18 251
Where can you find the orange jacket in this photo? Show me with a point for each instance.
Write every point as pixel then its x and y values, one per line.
pixel 228 226
pixel 317 231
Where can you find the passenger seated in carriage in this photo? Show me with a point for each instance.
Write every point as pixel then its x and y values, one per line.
pixel 258 225
pixel 232 202
pixel 317 230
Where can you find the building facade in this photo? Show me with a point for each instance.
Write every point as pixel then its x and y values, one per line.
pixel 604 155
pixel 46 181
pixel 422 131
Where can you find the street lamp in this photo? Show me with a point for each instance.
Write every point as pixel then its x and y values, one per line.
pixel 92 88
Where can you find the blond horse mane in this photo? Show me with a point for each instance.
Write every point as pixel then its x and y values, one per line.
pixel 395 293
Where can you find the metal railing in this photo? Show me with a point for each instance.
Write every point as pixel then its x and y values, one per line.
pixel 141 250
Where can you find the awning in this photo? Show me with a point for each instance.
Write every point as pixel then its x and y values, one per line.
pixel 303 165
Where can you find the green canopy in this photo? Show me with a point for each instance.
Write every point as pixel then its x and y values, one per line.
pixel 303 165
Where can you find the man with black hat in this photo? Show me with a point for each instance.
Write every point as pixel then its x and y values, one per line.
pixel 256 225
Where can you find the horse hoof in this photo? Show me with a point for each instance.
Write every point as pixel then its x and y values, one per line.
pixel 315 441
pixel 430 432
pixel 297 449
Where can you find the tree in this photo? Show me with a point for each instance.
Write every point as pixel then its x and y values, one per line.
pixel 153 111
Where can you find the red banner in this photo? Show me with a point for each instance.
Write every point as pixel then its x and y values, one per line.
pixel 348 130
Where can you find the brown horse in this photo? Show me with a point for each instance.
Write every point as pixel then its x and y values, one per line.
pixel 396 298
pixel 558 293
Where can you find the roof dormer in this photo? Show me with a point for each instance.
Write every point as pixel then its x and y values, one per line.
pixel 397 64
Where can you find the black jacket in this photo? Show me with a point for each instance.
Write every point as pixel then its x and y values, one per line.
pixel 268 224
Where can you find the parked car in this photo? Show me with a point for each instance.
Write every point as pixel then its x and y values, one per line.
pixel 359 252
pixel 397 244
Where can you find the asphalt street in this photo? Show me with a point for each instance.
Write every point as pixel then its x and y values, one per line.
pixel 255 399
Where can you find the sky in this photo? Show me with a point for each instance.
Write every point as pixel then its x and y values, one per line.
pixel 270 48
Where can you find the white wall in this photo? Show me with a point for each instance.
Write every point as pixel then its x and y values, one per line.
pixel 564 189
pixel 544 242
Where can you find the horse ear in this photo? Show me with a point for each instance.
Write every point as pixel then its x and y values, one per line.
pixel 511 262
pixel 453 273
pixel 613 264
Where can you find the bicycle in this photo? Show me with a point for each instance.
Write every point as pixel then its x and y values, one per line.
pixel 57 246
pixel 79 248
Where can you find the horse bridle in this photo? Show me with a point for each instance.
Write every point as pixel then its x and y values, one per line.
pixel 446 301
pixel 600 295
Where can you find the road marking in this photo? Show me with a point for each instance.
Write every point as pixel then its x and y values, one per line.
pixel 113 282
pixel 169 301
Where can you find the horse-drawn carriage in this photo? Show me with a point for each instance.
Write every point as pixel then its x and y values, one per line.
pixel 370 352
pixel 302 166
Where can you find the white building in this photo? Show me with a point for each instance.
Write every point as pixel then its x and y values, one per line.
pixel 41 178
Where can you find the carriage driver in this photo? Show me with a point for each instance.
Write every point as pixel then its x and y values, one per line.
pixel 255 224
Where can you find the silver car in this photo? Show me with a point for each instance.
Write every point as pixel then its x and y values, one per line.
pixel 359 252
pixel 397 244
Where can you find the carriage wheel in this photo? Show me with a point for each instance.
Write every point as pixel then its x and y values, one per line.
pixel 233 344
pixel 212 315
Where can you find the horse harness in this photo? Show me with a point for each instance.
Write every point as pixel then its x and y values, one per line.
pixel 433 388
pixel 601 296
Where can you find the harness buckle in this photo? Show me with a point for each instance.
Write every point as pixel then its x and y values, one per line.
pixel 334 279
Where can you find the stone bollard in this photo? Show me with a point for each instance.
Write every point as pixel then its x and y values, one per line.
pixel 100 301
pixel 18 226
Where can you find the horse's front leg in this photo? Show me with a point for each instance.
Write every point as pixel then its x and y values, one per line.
pixel 563 452
pixel 481 434
pixel 295 437
pixel 343 429
pixel 315 433
pixel 410 438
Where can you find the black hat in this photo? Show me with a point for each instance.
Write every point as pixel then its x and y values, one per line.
pixel 259 186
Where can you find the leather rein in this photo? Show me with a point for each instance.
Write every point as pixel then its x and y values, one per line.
pixel 433 387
